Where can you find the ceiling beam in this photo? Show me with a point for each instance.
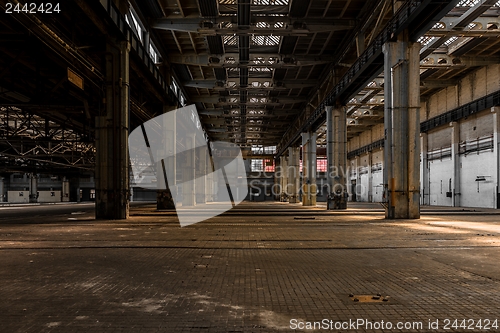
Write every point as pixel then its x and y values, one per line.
pixel 272 85
pixel 207 26
pixel 274 101
pixel 464 33
pixel 434 84
pixel 436 60
pixel 458 24
pixel 255 60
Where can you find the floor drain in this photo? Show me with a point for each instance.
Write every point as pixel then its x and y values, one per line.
pixel 369 298
pixel 201 266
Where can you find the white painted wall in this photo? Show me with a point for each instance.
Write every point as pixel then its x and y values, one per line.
pixel 478 194
pixel 377 188
pixel 363 188
pixel 359 171
pixel 440 174
pixel 377 177
pixel 46 196
pixel 18 196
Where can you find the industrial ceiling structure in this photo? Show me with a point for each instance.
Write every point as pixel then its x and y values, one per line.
pixel 259 71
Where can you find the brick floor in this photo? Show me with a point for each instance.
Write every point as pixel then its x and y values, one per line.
pixel 252 270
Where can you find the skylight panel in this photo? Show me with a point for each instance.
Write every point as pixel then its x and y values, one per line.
pixel 467 3
pixel 265 40
pixel 450 40
pixel 424 40
pixel 230 40
pixel 270 2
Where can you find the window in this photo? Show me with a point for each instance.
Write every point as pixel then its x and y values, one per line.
pixel 174 86
pixel 178 93
pixel 133 21
pixel 321 165
pixel 256 165
pixel 268 165
pixel 153 53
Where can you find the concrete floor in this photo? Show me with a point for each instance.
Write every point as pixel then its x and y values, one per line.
pixel 266 267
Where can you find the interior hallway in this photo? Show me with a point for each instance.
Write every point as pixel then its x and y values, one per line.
pixel 253 269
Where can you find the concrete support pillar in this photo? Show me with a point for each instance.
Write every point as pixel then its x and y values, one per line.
pixel 309 169
pixel 424 171
pixel 78 197
pixel 209 181
pixel 357 181
pixel 370 180
pixel 292 188
pixel 336 151
pixel 283 178
pixel 402 129
pixel 275 192
pixel 112 161
pixel 496 149
pixel 200 176
pixel 65 190
pixel 189 174
pixel 2 189
pixel 455 158
pixel 33 188
pixel 164 199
